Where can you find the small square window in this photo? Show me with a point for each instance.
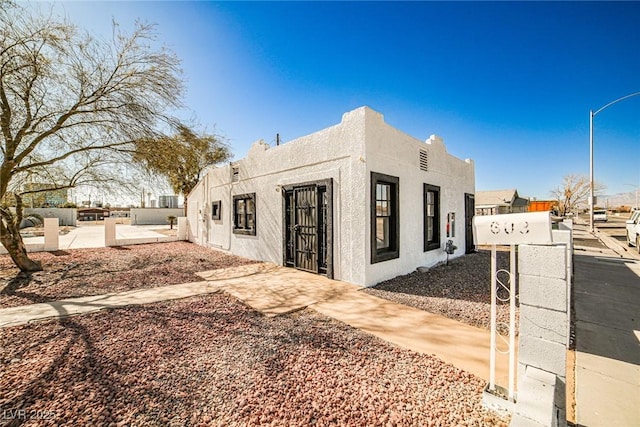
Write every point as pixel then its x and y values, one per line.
pixel 244 214
pixel 216 210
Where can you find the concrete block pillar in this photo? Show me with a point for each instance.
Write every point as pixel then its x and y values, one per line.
pixel 182 228
pixel 110 231
pixel 542 352
pixel 51 234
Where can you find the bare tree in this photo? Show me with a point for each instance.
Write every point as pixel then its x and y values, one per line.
pixel 71 107
pixel 573 192
pixel 181 158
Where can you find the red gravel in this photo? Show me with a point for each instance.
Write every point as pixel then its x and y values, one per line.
pixel 84 272
pixel 212 361
pixel 459 291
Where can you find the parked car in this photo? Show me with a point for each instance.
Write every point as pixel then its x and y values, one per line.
pixel 600 215
pixel 633 230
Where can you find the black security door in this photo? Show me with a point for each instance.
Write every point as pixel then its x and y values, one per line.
pixel 305 229
pixel 307 236
pixel 469 212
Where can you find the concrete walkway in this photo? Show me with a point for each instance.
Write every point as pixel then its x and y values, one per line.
pixel 276 290
pixel 607 327
pixel 92 235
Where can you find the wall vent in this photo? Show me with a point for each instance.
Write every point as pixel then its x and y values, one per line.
pixel 235 174
pixel 424 160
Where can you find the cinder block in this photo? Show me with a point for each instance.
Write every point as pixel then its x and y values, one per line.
pixel 562 237
pixel 518 420
pixel 542 323
pixel 543 292
pixel 543 260
pixel 536 395
pixel 566 224
pixel 542 354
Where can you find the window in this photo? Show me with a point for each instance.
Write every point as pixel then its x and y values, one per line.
pixel 244 214
pixel 216 209
pixel 385 220
pixel 431 217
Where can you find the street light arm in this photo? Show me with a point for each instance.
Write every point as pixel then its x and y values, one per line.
pixel 614 102
pixel 591 116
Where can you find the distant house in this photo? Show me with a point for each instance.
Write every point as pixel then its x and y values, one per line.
pixel 92 214
pixel 543 206
pixel 500 202
pixel 359 201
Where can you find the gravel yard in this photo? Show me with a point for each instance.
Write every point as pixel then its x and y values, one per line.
pixel 212 361
pixel 84 272
pixel 460 290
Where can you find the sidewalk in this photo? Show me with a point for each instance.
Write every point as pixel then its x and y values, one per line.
pixel 275 290
pixel 607 358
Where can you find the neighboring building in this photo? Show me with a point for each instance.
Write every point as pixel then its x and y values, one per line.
pixel 359 201
pixel 120 212
pixel 543 206
pixel 500 202
pixel 92 214
pixel 168 202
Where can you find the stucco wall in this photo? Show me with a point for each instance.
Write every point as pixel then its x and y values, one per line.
pixel 392 152
pixel 330 153
pixel 339 153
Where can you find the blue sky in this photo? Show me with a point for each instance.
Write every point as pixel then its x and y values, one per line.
pixel 508 84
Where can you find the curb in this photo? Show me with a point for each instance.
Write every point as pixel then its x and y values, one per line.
pixel 613 244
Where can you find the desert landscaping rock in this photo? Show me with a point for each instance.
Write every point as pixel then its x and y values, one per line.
pixel 212 361
pixel 459 291
pixel 84 272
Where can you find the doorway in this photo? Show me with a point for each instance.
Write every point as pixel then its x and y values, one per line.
pixel 308 226
pixel 469 212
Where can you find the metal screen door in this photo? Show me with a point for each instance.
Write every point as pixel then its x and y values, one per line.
pixel 469 212
pixel 306 208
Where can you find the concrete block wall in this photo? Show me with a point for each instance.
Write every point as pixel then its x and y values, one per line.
pixel 544 276
pixel 67 216
pixel 111 239
pixel 153 216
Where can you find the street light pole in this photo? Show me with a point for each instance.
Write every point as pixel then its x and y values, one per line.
pixel 591 170
pixel 636 187
pixel 592 114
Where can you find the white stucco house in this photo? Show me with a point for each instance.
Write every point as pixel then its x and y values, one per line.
pixel 359 202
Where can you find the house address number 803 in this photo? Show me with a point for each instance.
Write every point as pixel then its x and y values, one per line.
pixel 509 227
pixel 513 229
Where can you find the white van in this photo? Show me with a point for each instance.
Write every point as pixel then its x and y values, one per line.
pixel 600 215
